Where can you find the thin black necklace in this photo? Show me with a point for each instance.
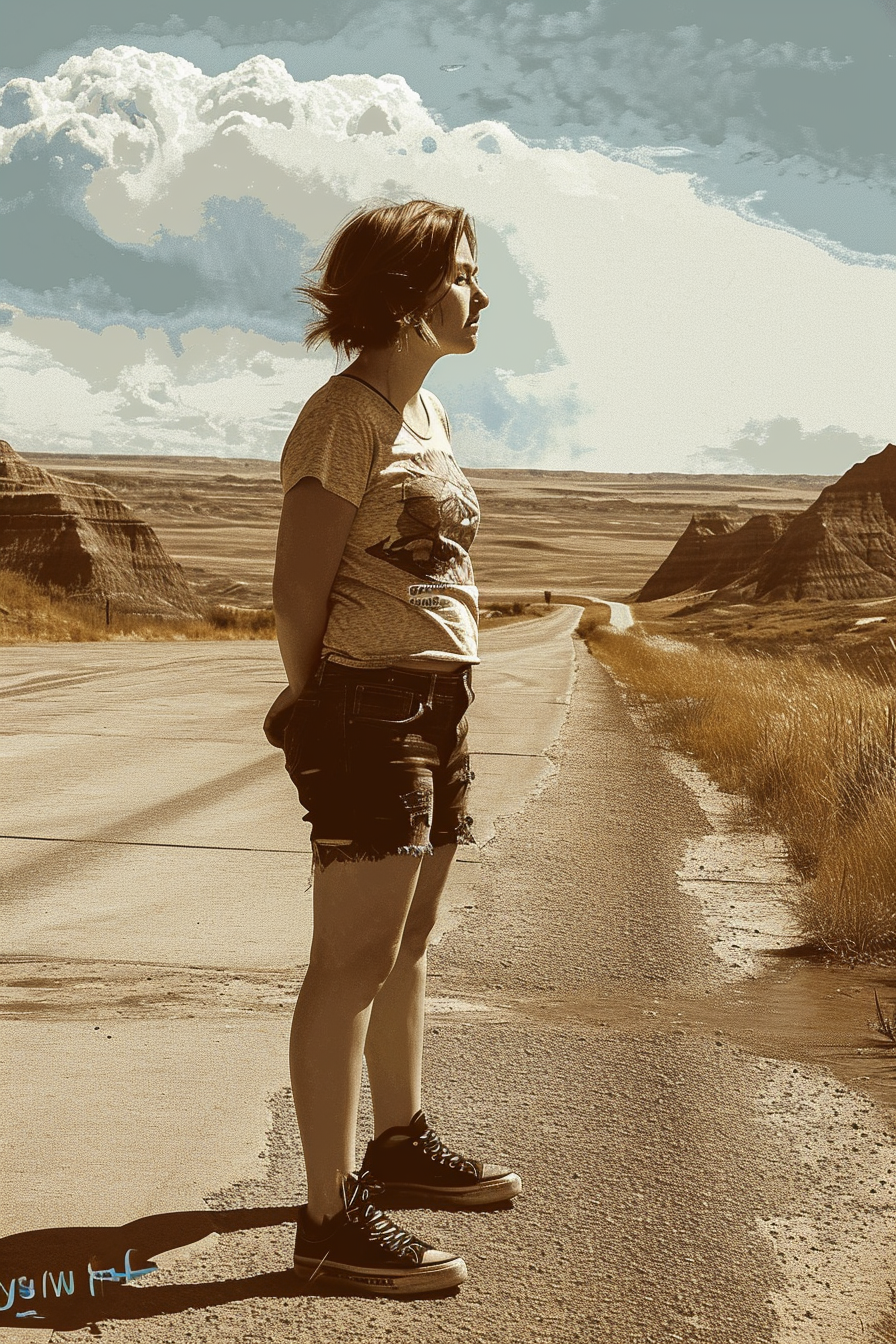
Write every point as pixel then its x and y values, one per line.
pixel 424 438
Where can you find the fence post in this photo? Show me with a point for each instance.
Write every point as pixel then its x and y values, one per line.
pixel 108 611
pixel 547 596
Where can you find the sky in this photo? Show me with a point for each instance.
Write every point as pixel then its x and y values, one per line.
pixel 685 212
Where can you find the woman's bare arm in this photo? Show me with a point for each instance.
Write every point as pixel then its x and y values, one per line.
pixel 314 527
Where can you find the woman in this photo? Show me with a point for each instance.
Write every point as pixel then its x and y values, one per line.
pixel 377 623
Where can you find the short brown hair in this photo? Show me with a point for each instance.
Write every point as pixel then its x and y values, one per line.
pixel 377 270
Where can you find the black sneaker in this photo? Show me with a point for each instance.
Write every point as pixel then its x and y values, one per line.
pixel 360 1247
pixel 412 1163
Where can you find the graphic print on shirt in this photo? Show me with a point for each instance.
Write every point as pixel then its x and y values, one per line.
pixel 436 525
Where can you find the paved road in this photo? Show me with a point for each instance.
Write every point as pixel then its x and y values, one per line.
pixel 142 804
pixel 621 618
pixel 153 888
pixel 676 1186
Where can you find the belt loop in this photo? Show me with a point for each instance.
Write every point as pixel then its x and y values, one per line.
pixel 432 689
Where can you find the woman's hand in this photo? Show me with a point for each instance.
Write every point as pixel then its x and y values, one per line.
pixel 275 720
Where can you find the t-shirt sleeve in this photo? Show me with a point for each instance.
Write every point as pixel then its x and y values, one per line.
pixel 335 444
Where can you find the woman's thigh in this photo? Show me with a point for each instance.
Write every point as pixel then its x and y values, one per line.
pixel 435 870
pixel 360 911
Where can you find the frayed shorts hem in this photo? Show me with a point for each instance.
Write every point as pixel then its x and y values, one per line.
pixel 323 855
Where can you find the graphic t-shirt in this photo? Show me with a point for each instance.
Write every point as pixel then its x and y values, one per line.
pixel 404 588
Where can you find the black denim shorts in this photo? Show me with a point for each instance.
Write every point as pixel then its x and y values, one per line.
pixel 380 761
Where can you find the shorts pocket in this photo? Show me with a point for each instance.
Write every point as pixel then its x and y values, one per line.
pixel 386 704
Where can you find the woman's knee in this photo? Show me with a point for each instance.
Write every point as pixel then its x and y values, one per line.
pixel 417 935
pixel 354 974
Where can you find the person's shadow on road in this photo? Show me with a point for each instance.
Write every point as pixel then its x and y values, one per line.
pixel 69 1278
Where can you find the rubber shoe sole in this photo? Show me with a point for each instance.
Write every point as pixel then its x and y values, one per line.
pixel 473 1196
pixel 432 1278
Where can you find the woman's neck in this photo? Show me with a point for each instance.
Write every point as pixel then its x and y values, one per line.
pixel 397 374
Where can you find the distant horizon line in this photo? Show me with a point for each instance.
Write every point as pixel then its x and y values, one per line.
pixel 574 472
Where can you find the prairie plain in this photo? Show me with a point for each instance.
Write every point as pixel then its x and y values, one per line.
pixel 569 532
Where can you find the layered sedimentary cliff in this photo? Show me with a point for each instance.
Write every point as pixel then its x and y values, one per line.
pixel 714 550
pixel 79 537
pixel 842 546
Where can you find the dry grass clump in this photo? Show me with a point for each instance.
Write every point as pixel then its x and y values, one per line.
pixel 812 745
pixel 883 1330
pixel 503 613
pixel 31 614
pixel 239 623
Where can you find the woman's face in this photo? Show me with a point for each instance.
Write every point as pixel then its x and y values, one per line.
pixel 455 317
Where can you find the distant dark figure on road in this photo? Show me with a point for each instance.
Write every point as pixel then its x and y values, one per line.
pixel 377 621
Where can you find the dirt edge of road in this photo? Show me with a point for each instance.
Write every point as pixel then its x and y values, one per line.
pixel 745 887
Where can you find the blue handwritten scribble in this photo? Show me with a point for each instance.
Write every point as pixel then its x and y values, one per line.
pixel 115 1276
pixel 64 1282
pixel 26 1290
pixel 59 1284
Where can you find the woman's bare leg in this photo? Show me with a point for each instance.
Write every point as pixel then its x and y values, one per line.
pixel 394 1048
pixel 360 910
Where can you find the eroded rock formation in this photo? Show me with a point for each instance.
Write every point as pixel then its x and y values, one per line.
pixel 714 550
pixel 79 537
pixel 842 546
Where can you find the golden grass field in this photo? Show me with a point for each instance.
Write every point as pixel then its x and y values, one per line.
pixel 810 743
pixel 858 634
pixel 30 614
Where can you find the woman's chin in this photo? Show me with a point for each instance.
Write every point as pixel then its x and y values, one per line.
pixel 464 343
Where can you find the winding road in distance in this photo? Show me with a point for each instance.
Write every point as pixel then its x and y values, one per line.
pixel 621 617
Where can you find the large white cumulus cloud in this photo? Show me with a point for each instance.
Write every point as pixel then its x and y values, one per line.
pixel 166 138
pixel 228 393
pixel 675 320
